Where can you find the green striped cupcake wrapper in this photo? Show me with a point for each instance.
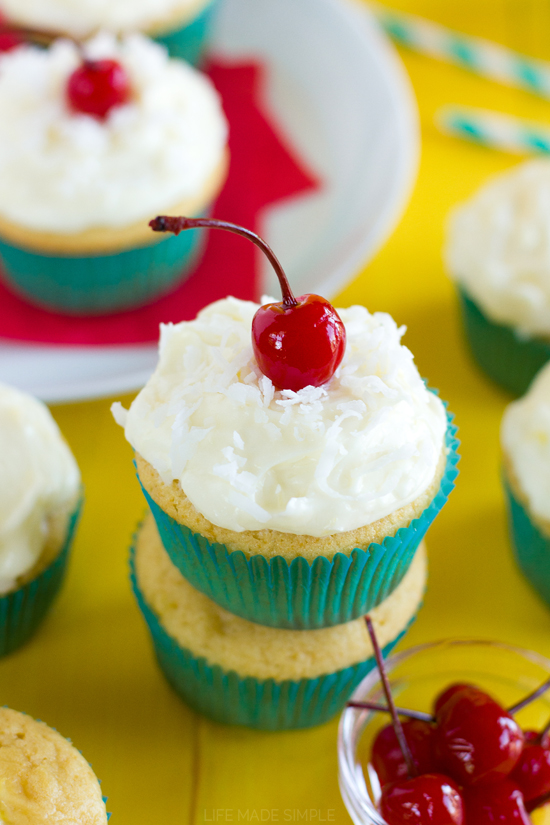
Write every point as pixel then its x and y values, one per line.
pixel 265 704
pixel 531 546
pixel 301 595
pixel 191 41
pixel 22 611
pixel 97 284
pixel 509 359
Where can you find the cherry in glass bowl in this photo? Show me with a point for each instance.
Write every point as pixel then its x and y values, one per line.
pixel 417 676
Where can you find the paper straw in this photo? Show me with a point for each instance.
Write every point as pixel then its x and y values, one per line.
pixel 483 57
pixel 494 130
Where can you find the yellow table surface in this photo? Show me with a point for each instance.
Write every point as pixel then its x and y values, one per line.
pixel 90 671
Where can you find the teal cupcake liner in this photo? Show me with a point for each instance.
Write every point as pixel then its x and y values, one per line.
pixel 507 358
pixel 191 41
pixel 265 704
pixel 22 611
pixel 301 595
pixel 531 546
pixel 96 284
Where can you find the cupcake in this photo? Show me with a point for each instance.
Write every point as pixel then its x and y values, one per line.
pixel 184 26
pixel 295 509
pixel 39 505
pixel 43 778
pixel 88 151
pixel 525 437
pixel 498 253
pixel 242 673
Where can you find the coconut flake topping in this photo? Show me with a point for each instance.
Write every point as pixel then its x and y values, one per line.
pixel 319 461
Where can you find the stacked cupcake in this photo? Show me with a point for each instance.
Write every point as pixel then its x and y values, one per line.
pixel 281 517
pixel 94 139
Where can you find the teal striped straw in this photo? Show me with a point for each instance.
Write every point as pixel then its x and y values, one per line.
pixel 494 130
pixel 480 56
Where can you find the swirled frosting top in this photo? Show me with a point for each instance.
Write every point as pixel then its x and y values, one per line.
pixel 39 483
pixel 83 17
pixel 315 462
pixel 65 172
pixel 498 247
pixel 525 437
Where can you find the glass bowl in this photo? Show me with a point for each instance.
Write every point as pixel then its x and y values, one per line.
pixel 416 676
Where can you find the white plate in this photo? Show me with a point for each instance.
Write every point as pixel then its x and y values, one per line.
pixel 338 89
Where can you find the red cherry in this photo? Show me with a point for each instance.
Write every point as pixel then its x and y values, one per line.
pixel 98 86
pixel 431 799
pixel 501 803
pixel 448 693
pixel 8 39
pixel 298 344
pixel 387 757
pixel 477 740
pixel 532 772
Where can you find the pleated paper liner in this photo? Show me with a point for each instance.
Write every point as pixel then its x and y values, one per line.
pixel 265 704
pixel 301 595
pixel 507 358
pixel 191 41
pixel 22 611
pixel 531 546
pixel 99 283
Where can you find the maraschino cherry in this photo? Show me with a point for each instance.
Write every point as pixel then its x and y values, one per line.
pixel 298 342
pixel 532 772
pixel 97 87
pixel 387 757
pixel 498 804
pixel 477 741
pixel 429 799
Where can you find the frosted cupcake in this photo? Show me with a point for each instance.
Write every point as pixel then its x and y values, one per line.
pixel 498 252
pixel 296 509
pixel 184 26
pixel 88 152
pixel 242 673
pixel 43 777
pixel 39 503
pixel 525 436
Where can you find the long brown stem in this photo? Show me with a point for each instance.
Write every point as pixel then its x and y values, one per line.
pixel 389 699
pixel 408 714
pixel 165 223
pixel 536 694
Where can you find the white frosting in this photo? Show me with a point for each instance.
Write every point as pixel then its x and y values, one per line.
pixel 498 248
pixel 39 482
pixel 66 172
pixel 525 436
pixel 316 462
pixel 82 17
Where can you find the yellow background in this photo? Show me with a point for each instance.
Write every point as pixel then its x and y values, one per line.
pixel 90 671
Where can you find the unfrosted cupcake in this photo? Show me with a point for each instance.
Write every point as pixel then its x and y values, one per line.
pixel 39 504
pixel 43 778
pixel 498 252
pixel 184 26
pixel 525 436
pixel 291 509
pixel 243 673
pixel 88 152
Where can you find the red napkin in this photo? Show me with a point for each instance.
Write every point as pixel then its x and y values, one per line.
pixel 263 170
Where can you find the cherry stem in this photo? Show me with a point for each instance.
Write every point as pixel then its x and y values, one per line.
pixel 408 714
pixel 536 694
pixel 165 223
pixel 411 769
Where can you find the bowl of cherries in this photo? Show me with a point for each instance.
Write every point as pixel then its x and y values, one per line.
pixel 455 732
